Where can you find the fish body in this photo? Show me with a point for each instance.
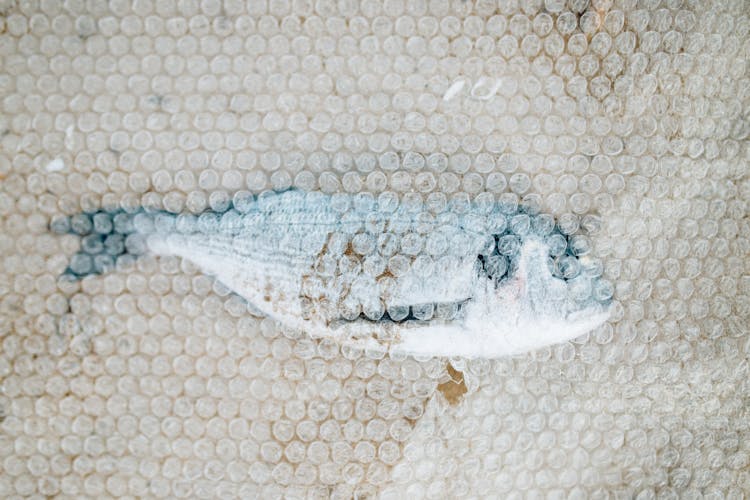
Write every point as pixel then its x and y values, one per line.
pixel 466 279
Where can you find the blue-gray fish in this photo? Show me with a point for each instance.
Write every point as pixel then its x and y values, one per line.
pixel 460 279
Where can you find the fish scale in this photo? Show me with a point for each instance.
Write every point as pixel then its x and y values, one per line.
pixel 467 280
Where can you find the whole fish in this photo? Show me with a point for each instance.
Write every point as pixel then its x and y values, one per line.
pixel 468 279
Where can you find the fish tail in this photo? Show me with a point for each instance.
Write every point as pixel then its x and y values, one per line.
pixel 108 238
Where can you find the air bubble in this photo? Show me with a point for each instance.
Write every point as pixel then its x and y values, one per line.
pixel 557 244
pixel 423 312
pixel 508 245
pixel 102 223
pixel 242 201
pixel 60 225
pixel 374 313
pixel 92 244
pixel 568 224
pixel 398 313
pixel 496 266
pixel 219 201
pixel 123 223
pixel 114 244
pixel 580 290
pixel 81 224
pixel 496 223
pixel 567 267
pixel 135 244
pixel 143 223
pixel 542 224
pixel 602 290
pixel 446 311
pixel 520 225
pixel 508 203
pixel 81 264
pixel 579 245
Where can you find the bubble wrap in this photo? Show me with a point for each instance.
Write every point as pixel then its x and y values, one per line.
pixel 625 121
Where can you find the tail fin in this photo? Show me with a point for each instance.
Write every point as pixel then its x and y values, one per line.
pixel 107 236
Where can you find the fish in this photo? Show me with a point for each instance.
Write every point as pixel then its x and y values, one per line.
pixel 471 279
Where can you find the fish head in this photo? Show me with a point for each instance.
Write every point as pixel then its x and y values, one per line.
pixel 537 305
